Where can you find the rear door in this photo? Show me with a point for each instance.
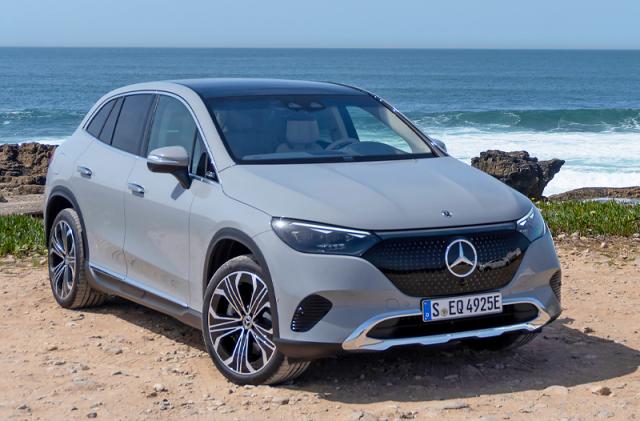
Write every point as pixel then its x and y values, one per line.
pixel 157 209
pixel 100 178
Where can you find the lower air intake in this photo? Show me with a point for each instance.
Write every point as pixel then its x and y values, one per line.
pixel 556 284
pixel 309 312
pixel 413 326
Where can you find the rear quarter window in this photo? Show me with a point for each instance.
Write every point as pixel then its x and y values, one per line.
pixel 132 121
pixel 107 131
pixel 97 123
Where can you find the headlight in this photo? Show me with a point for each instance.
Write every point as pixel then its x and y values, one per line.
pixel 532 225
pixel 315 238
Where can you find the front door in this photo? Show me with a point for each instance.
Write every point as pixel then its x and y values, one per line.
pixel 157 210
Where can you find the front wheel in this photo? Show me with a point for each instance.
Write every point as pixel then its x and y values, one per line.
pixel 237 321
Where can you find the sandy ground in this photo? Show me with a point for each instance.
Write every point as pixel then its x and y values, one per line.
pixel 29 204
pixel 122 361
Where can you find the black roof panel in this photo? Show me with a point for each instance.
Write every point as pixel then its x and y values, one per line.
pixel 224 87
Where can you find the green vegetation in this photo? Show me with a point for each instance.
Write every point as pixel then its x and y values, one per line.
pixel 591 218
pixel 21 235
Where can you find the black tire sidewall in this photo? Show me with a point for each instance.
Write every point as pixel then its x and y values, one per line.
pixel 67 215
pixel 247 264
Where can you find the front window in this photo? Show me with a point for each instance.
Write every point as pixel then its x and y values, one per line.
pixel 313 128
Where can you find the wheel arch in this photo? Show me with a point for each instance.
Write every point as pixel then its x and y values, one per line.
pixel 216 257
pixel 62 198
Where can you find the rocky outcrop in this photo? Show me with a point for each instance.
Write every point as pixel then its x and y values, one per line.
pixel 519 170
pixel 590 193
pixel 23 168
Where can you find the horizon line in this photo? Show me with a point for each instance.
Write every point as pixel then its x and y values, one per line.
pixel 324 48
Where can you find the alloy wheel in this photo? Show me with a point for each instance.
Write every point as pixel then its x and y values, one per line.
pixel 240 324
pixel 62 259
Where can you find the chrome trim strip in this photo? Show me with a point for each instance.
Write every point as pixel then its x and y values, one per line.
pixel 359 340
pixel 139 285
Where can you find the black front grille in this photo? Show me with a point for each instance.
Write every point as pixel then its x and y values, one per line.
pixel 414 327
pixel 309 312
pixel 416 264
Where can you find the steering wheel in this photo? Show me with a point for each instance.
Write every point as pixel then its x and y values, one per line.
pixel 339 144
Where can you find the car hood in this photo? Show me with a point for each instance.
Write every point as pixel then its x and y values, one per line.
pixel 382 195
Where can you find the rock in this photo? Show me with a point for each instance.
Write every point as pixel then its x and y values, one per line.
pixel 23 167
pixel 279 400
pixel 605 414
pixel 519 170
pixel 3 199
pixel 50 348
pixel 114 350
pixel 587 329
pixel 601 390
pixel 446 406
pixel 24 407
pixel 92 414
pixel 555 391
pixel 159 387
pixel 362 416
pixel 589 193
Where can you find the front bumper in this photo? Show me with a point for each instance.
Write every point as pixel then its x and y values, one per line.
pixel 363 297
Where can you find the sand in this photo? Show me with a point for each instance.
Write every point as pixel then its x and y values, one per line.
pixel 122 361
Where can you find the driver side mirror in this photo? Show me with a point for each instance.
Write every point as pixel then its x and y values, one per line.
pixel 440 144
pixel 171 160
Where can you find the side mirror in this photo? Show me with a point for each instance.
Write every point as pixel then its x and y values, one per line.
pixel 171 160
pixel 440 144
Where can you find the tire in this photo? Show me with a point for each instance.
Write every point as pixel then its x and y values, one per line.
pixel 231 333
pixel 506 341
pixel 66 261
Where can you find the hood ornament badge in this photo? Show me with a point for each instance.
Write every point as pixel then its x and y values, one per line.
pixel 447 214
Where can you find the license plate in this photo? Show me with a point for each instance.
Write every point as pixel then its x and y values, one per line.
pixel 466 306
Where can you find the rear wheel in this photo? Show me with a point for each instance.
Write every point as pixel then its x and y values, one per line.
pixel 238 326
pixel 67 274
pixel 503 342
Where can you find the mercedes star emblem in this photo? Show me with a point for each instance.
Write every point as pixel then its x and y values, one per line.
pixel 461 258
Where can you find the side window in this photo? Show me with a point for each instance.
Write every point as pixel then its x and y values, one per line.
pixel 172 126
pixel 200 162
pixel 107 131
pixel 97 123
pixel 127 135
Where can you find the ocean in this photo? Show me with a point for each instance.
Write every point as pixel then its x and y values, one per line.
pixel 580 106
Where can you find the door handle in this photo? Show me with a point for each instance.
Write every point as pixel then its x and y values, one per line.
pixel 84 171
pixel 136 188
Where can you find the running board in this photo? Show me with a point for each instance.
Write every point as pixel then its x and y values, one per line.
pixel 112 285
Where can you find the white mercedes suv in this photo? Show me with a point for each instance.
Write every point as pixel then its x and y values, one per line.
pixel 291 220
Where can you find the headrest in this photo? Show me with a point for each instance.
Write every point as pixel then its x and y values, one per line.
pixel 234 121
pixel 302 131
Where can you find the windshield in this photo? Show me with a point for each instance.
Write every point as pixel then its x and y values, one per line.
pixel 313 128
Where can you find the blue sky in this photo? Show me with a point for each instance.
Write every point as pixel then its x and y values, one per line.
pixel 323 23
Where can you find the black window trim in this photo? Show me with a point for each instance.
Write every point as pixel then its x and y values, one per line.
pixel 150 117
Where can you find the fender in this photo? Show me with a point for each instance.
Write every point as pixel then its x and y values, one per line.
pixel 64 192
pixel 247 241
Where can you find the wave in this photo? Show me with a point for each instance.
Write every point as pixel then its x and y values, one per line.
pixel 592 159
pixel 570 120
pixel 37 125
